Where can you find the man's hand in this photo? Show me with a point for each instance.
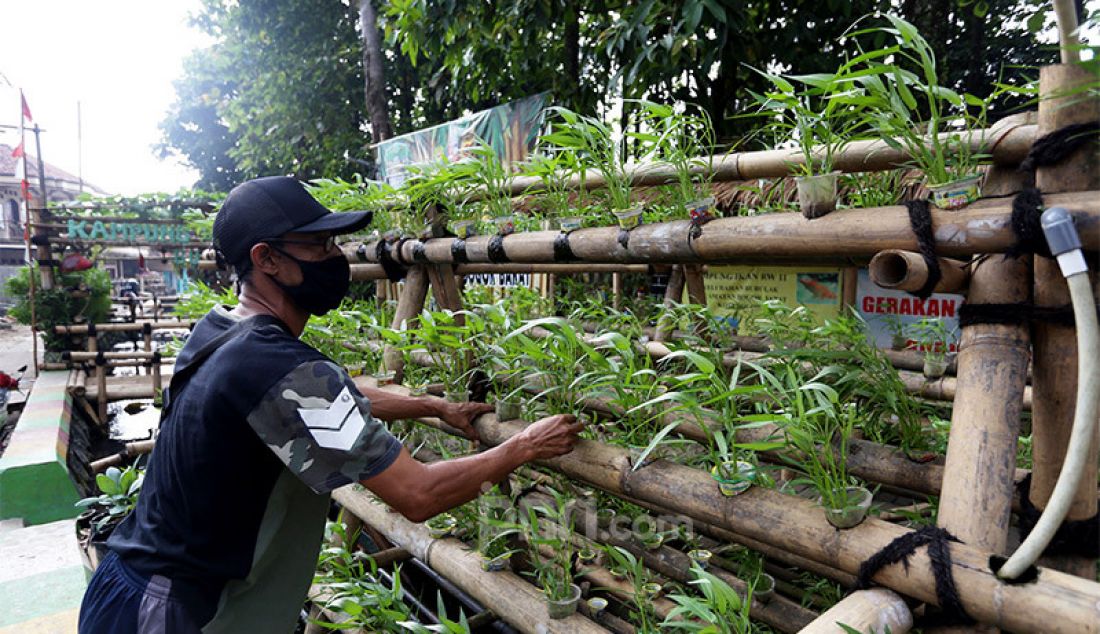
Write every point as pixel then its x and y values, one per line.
pixel 461 416
pixel 552 436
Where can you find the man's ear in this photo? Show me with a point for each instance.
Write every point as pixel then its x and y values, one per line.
pixel 262 256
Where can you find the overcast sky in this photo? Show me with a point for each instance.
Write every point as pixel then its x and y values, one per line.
pixel 118 58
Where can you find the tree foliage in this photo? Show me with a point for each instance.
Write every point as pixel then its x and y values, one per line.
pixel 281 89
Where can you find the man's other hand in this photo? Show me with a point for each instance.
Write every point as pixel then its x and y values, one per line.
pixel 461 416
pixel 552 436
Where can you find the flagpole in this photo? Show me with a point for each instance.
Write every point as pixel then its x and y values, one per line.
pixel 24 190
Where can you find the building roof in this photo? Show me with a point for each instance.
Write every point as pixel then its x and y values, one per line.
pixel 8 165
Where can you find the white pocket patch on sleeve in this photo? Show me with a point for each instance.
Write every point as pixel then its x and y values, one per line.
pixel 336 426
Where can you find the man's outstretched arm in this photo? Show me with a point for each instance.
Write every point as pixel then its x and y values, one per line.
pixel 389 406
pixel 420 491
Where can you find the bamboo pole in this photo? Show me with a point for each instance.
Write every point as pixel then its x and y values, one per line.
pixel 780 612
pixel 1007 142
pixel 1054 603
pixel 616 290
pixel 129 450
pixel 127 327
pixel 983 227
pixel 517 602
pixel 874 611
pixel 907 271
pixel 1054 380
pixel 409 305
pixel 76 355
pixel 362 272
pixel 985 421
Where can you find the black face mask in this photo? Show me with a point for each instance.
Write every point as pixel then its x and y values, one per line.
pixel 324 283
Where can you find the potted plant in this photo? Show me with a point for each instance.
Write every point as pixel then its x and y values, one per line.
pixel 685 142
pixel 632 569
pixel 720 609
pixel 701 557
pixel 593 142
pixel 548 528
pixel 819 437
pixel 897 88
pixel 933 339
pixel 441 525
pixel 554 167
pixel 899 338
pixel 819 125
pixel 645 529
pixel 495 180
pixel 119 489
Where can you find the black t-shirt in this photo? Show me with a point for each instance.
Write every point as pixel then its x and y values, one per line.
pixel 233 503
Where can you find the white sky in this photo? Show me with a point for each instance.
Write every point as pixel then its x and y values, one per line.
pixel 118 58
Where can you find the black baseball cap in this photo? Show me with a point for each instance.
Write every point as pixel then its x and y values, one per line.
pixel 266 208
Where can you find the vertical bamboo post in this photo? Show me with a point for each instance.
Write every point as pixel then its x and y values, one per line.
pixel 147 345
pixel 849 287
pixel 1054 377
pixel 697 290
pixel 617 290
pixel 409 304
pixel 673 293
pixel 100 381
pixel 978 479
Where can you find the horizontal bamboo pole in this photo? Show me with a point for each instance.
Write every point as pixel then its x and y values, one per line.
pixel 1008 142
pixel 907 271
pixel 124 388
pixel 130 450
pixel 127 327
pixel 76 355
pixel 780 612
pixel 517 602
pixel 983 227
pixel 1055 603
pixel 363 272
pixel 874 611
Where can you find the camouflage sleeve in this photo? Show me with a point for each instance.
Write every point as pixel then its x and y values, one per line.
pixel 319 425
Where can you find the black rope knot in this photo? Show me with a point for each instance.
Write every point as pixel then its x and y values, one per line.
pixel 920 221
pixel 1074 537
pixel 146 328
pixel 939 557
pixel 100 359
pixel 496 249
pixel 394 270
pixel 624 238
pixel 562 251
pixel 419 254
pixel 458 251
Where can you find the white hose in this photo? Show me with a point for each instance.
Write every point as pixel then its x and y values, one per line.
pixel 1085 415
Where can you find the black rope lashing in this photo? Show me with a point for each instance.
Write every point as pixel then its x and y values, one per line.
pixel 1079 538
pixel 156 358
pixel 361 253
pixel 920 221
pixel 1027 208
pixel 419 254
pixel 939 556
pixel 100 359
pixel 624 238
pixel 1049 149
pixel 1015 314
pixel 394 270
pixel 496 250
pixel 458 251
pixel 562 251
pixel 146 328
pixel 91 330
pixel 1054 147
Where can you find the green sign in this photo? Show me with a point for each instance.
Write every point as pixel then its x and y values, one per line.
pixel 511 129
pixel 100 231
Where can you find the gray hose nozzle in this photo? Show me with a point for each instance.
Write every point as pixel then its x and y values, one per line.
pixel 1060 231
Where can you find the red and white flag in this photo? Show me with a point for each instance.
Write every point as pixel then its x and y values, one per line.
pixel 26 109
pixel 18 151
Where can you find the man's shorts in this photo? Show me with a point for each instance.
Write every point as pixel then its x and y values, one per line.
pixel 120 601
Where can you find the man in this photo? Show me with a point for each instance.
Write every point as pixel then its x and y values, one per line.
pixel 258 428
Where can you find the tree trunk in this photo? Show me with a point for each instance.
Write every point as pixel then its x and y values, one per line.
pixel 373 74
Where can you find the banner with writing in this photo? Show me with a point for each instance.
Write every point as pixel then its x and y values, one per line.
pixel 736 292
pixel 892 316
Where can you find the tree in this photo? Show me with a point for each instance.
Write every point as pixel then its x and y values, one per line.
pixel 374 73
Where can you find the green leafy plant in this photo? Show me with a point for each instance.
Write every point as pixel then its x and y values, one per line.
pixel 550 528
pixel 933 337
pixel 119 489
pixel 897 90
pixel 446 625
pixel 354 588
pixel 83 296
pixel 595 145
pixel 641 605
pixel 673 135
pixel 721 610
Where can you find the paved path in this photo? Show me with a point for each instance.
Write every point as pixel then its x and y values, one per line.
pixel 42 579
